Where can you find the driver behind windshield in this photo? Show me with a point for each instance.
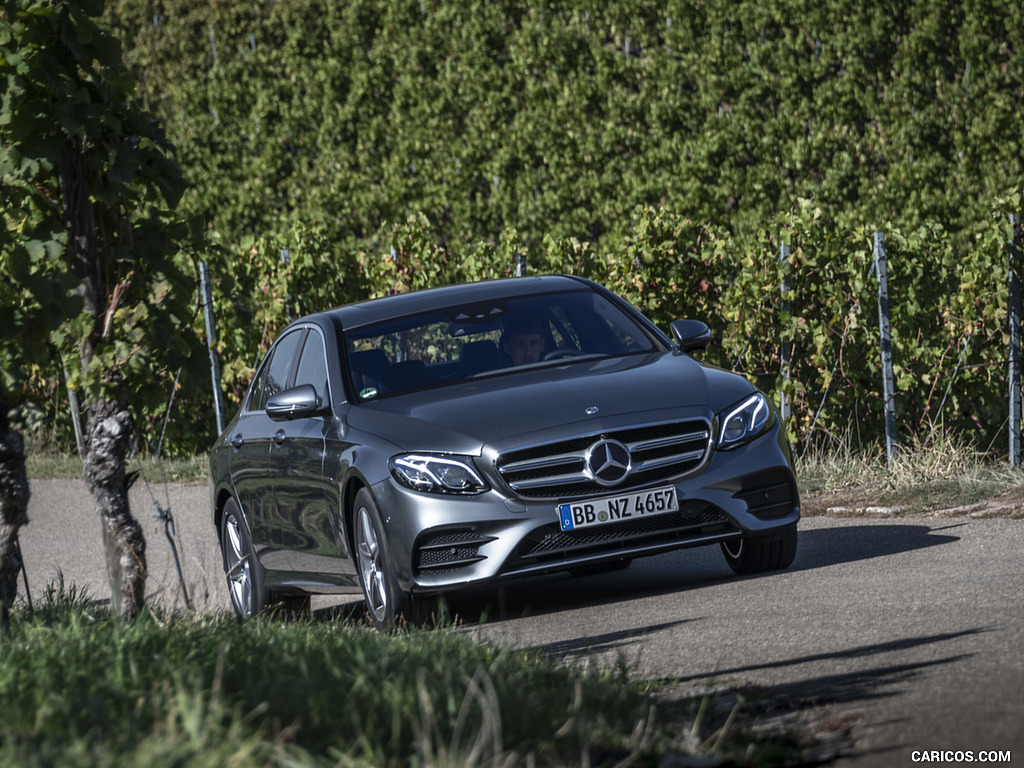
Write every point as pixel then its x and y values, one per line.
pixel 523 339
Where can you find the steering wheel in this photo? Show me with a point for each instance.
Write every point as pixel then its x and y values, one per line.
pixel 557 353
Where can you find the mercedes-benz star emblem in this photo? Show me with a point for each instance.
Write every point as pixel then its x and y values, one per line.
pixel 608 462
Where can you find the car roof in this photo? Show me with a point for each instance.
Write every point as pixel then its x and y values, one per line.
pixel 404 304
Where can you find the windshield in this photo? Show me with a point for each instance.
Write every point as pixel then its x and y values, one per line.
pixel 487 339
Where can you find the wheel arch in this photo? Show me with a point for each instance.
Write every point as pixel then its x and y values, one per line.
pixel 223 496
pixel 352 486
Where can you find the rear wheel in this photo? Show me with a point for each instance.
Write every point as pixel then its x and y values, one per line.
pixel 243 570
pixel 386 602
pixel 758 553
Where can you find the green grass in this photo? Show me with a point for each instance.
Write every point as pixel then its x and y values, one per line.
pixel 79 687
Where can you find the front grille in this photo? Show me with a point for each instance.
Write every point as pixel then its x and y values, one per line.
pixel 768 495
pixel 549 544
pixel 448 550
pixel 557 470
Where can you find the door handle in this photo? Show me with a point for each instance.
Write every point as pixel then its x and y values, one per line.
pixel 279 437
pixel 236 442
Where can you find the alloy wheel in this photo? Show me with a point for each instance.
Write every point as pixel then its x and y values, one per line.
pixel 238 567
pixel 371 567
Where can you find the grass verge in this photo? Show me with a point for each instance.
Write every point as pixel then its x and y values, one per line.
pixel 946 476
pixel 47 464
pixel 81 688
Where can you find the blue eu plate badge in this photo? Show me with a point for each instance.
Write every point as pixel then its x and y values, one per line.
pixel 565 516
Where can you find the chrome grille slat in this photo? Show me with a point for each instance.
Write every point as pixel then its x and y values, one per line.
pixel 553 461
pixel 645 466
pixel 649 445
pixel 659 451
pixel 523 485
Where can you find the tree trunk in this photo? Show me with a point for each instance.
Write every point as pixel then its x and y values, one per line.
pixel 14 495
pixel 109 428
pixel 108 421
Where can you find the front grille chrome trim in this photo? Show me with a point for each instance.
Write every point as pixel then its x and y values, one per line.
pixel 525 485
pixel 660 452
pixel 551 461
pixel 646 466
pixel 652 444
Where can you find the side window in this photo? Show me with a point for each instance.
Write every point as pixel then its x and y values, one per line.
pixel 255 396
pixel 313 365
pixel 275 372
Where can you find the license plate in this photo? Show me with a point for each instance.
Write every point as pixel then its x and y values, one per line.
pixel 612 509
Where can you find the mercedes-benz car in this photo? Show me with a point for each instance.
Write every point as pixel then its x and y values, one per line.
pixel 416 444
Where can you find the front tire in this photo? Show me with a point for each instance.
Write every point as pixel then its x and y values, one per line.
pixel 386 602
pixel 241 566
pixel 759 553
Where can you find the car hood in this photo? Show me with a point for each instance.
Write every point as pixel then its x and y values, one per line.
pixel 462 418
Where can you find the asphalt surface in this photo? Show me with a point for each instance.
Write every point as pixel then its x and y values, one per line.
pixel 905 634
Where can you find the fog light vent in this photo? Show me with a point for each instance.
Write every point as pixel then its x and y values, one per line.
pixel 769 495
pixel 449 550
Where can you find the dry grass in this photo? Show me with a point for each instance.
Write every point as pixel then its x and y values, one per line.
pixel 946 476
pixel 47 463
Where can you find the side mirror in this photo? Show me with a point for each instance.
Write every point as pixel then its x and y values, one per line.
pixel 692 335
pixel 296 403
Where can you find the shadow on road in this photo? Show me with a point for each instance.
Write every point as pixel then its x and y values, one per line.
pixel 682 570
pixel 886 677
pixel 822 547
pixel 610 641
pixel 846 687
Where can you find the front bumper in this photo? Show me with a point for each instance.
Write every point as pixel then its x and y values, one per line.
pixel 443 542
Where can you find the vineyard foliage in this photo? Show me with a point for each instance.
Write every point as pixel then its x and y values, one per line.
pixel 668 150
pixel 92 258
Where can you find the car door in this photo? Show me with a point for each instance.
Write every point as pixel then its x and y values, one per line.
pixel 251 466
pixel 302 490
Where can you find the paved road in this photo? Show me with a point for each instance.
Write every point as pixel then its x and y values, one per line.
pixel 911 630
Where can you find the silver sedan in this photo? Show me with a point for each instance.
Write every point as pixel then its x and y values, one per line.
pixel 411 445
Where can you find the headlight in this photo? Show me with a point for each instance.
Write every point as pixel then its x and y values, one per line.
pixel 436 474
pixel 745 421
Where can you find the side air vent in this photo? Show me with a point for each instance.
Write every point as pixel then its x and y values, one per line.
pixel 448 550
pixel 769 495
